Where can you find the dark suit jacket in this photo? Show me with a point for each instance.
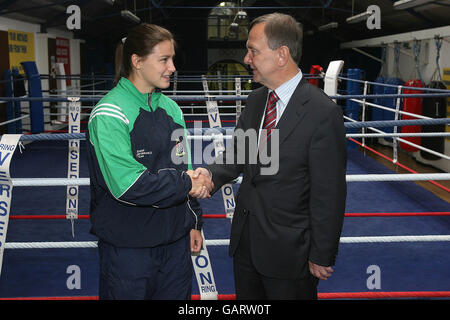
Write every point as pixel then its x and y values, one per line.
pixel 297 214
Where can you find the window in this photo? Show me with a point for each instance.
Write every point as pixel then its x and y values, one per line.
pixel 227 22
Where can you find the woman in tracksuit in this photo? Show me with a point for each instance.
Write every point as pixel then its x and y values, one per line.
pixel 142 205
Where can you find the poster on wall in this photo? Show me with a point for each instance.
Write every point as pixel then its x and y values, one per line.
pixel 446 80
pixel 21 48
pixel 63 55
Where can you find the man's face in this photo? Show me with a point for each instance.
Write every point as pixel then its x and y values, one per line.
pixel 260 57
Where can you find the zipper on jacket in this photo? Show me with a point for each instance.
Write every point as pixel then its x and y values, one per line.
pixel 195 215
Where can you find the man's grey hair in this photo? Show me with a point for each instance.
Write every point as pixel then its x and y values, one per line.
pixel 282 30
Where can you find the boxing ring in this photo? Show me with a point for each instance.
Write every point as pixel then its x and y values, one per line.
pixel 394 242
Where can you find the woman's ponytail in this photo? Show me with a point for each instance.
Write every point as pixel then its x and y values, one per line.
pixel 118 63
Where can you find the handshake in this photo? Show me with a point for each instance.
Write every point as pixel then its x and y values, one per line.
pixel 202 184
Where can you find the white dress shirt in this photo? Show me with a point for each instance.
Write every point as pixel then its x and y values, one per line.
pixel 284 93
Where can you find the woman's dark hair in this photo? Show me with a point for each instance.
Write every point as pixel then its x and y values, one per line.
pixel 140 40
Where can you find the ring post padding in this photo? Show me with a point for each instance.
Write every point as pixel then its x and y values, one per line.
pixel 61 85
pixel 331 77
pixel 34 91
pixel 377 114
pixel 9 104
pixel 352 107
pixel 391 103
pixel 18 91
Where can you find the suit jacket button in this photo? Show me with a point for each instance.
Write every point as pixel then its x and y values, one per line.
pixel 244 211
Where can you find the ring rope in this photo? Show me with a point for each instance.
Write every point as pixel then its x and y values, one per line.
pixel 231 98
pixel 349 135
pixel 397 163
pixel 225 242
pixel 355 125
pixel 320 295
pixel 384 135
pixel 54 182
pixel 395 86
pixel 219 215
pixel 441 155
pixel 391 109
pixel 222 216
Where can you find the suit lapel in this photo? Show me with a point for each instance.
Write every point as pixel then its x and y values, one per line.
pixel 257 112
pixel 259 108
pixel 294 111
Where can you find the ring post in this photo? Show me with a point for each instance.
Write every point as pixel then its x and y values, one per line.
pixel 34 91
pixel 352 107
pixel 18 91
pixel 61 85
pixel 330 86
pixel 9 104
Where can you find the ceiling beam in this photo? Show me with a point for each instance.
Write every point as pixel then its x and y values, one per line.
pixel 443 32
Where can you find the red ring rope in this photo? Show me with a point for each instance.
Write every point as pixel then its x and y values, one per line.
pixel 396 214
pixel 398 164
pixel 191 121
pixel 321 295
pixel 219 216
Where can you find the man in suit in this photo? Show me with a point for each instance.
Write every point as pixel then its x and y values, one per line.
pixel 287 224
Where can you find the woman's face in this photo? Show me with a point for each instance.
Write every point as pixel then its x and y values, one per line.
pixel 155 69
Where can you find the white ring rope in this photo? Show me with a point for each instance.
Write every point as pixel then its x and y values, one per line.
pixel 226 242
pixel 14 120
pixel 398 177
pixel 409 134
pixel 415 115
pixel 348 135
pixel 438 154
pixel 55 182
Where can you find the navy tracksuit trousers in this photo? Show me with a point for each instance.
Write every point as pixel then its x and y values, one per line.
pixel 160 273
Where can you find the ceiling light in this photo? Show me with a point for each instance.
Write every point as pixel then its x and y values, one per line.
pixel 234 28
pixel 127 14
pixel 241 15
pixel 331 25
pixel 359 17
pixel 406 4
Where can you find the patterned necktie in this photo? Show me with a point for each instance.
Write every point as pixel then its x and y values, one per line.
pixel 270 118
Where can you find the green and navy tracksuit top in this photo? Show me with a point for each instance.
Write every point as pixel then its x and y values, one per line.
pixel 139 195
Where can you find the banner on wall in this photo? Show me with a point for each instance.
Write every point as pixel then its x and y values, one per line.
pixel 446 80
pixel 21 48
pixel 63 55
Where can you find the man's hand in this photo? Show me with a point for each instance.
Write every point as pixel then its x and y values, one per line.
pixel 202 171
pixel 321 272
pixel 196 241
pixel 201 184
